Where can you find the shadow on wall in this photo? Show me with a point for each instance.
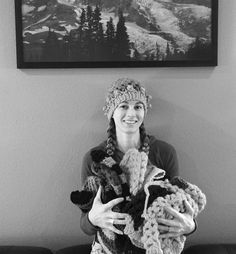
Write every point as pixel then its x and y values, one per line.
pixel 206 155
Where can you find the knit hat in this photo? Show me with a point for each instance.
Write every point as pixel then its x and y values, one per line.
pixel 125 89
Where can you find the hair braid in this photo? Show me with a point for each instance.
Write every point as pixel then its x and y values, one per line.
pixel 111 140
pixel 144 139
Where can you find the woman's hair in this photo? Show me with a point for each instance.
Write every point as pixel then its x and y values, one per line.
pixel 111 139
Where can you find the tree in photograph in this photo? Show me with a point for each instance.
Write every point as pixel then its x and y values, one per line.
pixel 168 52
pixel 158 53
pixel 134 54
pixel 100 48
pixel 96 19
pixel 82 17
pixel 110 40
pixel 51 49
pixel 88 45
pixel 122 49
pixel 75 44
pixel 199 50
pixel 65 51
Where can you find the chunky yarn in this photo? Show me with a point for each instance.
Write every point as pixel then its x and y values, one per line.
pixel 149 193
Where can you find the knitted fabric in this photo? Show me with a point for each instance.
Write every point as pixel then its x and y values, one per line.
pixel 160 193
pixel 125 89
pixel 149 194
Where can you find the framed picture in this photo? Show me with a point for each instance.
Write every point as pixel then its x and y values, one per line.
pixel 116 33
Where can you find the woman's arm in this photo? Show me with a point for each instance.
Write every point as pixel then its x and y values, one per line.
pixel 85 224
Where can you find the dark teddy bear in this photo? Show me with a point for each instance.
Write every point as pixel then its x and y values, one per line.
pixel 109 175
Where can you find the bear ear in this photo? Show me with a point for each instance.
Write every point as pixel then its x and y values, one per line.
pixel 81 197
pixel 180 182
pixel 98 155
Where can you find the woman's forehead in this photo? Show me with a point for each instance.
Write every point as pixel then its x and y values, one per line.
pixel 132 102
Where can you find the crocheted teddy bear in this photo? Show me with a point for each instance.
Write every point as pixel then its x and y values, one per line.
pixel 109 175
pixel 151 194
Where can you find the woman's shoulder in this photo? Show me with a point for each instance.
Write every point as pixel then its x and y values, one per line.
pixel 87 159
pixel 101 146
pixel 160 145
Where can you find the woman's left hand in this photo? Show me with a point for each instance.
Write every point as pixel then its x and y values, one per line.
pixel 181 224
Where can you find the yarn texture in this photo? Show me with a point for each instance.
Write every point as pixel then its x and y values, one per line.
pixel 149 193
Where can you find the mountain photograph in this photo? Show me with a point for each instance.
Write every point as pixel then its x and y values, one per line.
pixel 116 30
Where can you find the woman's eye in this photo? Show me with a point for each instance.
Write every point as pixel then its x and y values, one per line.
pixel 123 106
pixel 138 107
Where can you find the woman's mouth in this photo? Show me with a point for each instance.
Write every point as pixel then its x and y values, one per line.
pixel 130 121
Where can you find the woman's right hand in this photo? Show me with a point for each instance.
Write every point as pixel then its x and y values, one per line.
pixel 101 215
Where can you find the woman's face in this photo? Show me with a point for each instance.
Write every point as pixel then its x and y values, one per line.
pixel 128 116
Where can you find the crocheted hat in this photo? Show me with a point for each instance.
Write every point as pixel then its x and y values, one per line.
pixel 125 89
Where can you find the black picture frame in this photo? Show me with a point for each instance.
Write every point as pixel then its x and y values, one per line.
pixel 207 57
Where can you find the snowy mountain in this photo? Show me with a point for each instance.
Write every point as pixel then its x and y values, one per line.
pixel 150 23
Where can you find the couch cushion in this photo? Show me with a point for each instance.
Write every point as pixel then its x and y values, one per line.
pixel 24 250
pixel 211 249
pixel 80 249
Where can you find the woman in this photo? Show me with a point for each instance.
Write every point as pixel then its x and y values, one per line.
pixel 126 107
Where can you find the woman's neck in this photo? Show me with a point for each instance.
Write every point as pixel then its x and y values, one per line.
pixel 128 141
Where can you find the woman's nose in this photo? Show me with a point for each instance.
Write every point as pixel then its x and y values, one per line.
pixel 130 111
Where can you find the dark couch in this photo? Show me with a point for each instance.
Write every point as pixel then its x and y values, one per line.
pixel 86 248
pixel 211 249
pixel 196 249
pixel 24 250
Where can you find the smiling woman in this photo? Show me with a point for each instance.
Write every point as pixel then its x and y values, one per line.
pixel 114 200
pixel 128 117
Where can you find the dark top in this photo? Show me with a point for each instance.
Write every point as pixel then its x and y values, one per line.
pixel 161 154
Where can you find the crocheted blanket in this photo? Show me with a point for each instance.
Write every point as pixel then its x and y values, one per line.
pixel 149 193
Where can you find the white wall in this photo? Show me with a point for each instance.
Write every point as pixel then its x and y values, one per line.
pixel 49 118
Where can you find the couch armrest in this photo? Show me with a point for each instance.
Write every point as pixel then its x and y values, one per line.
pixel 24 250
pixel 211 249
pixel 83 249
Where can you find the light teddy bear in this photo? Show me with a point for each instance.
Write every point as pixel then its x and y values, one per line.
pixel 149 192
pixel 141 176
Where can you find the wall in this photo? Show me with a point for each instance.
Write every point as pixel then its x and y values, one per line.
pixel 49 118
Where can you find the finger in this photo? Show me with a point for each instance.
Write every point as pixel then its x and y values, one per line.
pixel 120 215
pixel 170 223
pixel 168 235
pixel 173 212
pixel 98 195
pixel 166 230
pixel 163 228
pixel 115 230
pixel 119 222
pixel 189 208
pixel 114 202
pixel 169 229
